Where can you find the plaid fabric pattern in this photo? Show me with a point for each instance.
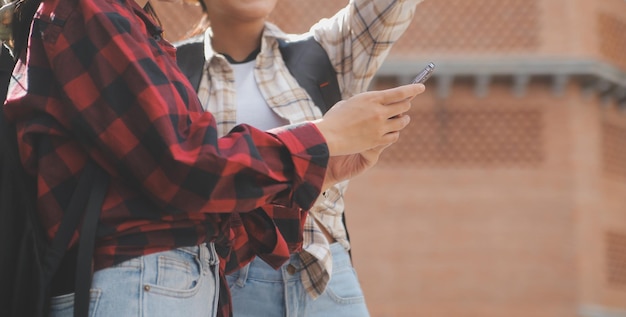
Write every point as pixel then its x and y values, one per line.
pixel 250 233
pixel 99 82
pixel 357 40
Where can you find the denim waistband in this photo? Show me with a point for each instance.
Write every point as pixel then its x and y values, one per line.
pixel 259 270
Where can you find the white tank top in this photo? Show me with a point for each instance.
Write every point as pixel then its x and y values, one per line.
pixel 252 108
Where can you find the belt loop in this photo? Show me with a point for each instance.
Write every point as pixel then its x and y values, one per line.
pixel 213 259
pixel 243 276
pixel 203 258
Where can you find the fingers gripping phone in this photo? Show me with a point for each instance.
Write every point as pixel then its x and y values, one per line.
pixel 424 74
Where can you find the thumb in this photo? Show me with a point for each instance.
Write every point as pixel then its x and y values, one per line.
pixel 400 93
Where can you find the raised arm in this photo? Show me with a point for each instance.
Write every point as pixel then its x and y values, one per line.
pixel 359 37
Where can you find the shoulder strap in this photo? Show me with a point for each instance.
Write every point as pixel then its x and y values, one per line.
pixel 190 57
pixel 309 64
pixel 87 241
pixel 6 68
pixel 85 204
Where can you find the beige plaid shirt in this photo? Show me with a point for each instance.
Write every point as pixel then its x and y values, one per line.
pixel 357 40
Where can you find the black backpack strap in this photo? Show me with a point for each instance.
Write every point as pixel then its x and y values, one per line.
pixel 85 204
pixel 309 64
pixel 190 58
pixel 6 68
pixel 87 242
pixel 69 222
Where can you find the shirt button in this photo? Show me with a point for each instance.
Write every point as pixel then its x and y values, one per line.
pixel 291 269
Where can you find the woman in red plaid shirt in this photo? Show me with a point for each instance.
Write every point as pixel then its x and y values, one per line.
pixel 98 82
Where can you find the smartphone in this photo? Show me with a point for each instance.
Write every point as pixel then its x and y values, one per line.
pixel 424 74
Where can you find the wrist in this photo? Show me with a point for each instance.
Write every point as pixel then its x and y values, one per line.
pixel 327 134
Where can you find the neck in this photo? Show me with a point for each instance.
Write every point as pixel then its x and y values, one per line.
pixel 237 40
pixel 141 3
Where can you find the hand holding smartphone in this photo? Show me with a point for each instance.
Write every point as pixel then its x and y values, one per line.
pixel 424 74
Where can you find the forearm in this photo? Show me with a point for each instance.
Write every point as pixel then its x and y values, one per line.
pixel 123 99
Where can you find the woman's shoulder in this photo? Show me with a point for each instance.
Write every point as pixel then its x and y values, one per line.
pixel 273 31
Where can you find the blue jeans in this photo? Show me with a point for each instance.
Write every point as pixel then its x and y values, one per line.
pixel 259 290
pixel 180 282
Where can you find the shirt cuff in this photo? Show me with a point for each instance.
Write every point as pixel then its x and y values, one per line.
pixel 309 153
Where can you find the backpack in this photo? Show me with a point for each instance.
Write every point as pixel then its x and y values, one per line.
pixel 29 261
pixel 305 58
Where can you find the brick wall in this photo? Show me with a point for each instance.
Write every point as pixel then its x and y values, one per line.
pixel 494 205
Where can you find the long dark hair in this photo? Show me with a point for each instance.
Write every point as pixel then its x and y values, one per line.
pixel 203 24
pixel 22 20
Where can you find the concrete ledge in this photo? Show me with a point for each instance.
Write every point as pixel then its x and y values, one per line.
pixel 593 75
pixel 513 66
pixel 600 311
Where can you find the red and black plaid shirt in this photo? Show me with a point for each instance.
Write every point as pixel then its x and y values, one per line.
pixel 99 82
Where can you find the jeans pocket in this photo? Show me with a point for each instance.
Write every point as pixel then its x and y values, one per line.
pixel 344 287
pixel 178 274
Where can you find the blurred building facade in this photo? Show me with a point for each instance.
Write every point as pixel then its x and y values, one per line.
pixel 506 196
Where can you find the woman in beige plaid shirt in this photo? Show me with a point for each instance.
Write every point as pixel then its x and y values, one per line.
pixel 246 81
